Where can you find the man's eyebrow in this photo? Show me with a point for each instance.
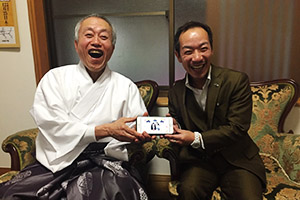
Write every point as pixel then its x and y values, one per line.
pixel 190 47
pixel 187 47
pixel 91 29
pixel 88 29
pixel 204 43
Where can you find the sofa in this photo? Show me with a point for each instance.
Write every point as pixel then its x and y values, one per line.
pixel 279 149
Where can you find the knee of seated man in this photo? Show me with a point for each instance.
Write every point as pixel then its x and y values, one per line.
pixel 188 190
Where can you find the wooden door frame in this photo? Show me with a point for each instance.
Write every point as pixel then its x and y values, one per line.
pixel 39 39
pixel 40 47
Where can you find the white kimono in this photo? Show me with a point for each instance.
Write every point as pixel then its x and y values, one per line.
pixel 68 106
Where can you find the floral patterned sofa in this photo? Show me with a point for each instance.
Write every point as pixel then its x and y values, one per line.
pixel 280 151
pixel 21 145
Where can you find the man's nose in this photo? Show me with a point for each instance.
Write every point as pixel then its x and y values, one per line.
pixel 197 56
pixel 96 41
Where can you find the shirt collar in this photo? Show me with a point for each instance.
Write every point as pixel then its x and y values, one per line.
pixel 206 84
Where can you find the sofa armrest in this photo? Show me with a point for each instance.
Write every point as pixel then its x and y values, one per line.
pixel 289 154
pixel 141 153
pixel 21 147
pixel 8 176
pixel 168 150
pixel 285 147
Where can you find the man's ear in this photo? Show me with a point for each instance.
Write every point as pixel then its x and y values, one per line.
pixel 76 45
pixel 178 57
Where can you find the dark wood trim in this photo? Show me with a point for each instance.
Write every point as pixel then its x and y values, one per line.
pixel 171 17
pixel 295 46
pixel 4 170
pixel 14 155
pixel 157 187
pixel 38 38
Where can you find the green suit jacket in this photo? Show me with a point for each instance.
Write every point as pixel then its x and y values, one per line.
pixel 225 122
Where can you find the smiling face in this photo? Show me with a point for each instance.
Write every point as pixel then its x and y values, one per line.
pixel 94 45
pixel 195 54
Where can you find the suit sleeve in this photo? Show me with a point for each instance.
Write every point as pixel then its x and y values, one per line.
pixel 232 117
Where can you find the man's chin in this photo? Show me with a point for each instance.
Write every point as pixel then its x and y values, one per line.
pixel 95 67
pixel 198 73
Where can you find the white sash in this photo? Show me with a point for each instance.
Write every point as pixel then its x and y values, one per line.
pixel 88 101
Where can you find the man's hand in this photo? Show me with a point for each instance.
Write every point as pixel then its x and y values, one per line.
pixel 181 137
pixel 175 123
pixel 146 136
pixel 120 131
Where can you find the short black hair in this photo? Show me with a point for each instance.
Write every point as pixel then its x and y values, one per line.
pixel 187 26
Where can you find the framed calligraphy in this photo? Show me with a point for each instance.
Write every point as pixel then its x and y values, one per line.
pixel 9 34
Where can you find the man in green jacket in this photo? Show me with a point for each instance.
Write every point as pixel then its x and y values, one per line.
pixel 213 107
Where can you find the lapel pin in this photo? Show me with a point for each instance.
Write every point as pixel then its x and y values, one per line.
pixel 216 84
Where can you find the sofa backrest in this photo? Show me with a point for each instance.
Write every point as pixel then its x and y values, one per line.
pixel 272 101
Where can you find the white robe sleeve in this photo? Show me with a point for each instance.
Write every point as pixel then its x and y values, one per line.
pixel 117 149
pixel 132 107
pixel 59 132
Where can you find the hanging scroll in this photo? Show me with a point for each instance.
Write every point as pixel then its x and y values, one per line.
pixel 9 35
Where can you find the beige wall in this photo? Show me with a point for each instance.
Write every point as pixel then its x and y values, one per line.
pixel 17 83
pixel 17 86
pixel 293 121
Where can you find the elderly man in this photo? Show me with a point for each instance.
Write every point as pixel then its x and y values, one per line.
pixel 213 105
pixel 85 114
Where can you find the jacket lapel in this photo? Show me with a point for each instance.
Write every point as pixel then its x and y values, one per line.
pixel 185 110
pixel 195 113
pixel 213 93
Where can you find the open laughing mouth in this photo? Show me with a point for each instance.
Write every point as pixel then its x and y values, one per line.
pixel 95 53
pixel 198 66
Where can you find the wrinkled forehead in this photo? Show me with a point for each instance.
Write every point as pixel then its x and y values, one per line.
pixel 95 23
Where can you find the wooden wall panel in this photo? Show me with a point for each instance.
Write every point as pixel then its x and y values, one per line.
pixel 38 37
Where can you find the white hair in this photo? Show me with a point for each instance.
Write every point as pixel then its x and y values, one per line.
pixel 77 27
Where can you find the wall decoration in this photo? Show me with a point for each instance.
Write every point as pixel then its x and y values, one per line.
pixel 9 34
